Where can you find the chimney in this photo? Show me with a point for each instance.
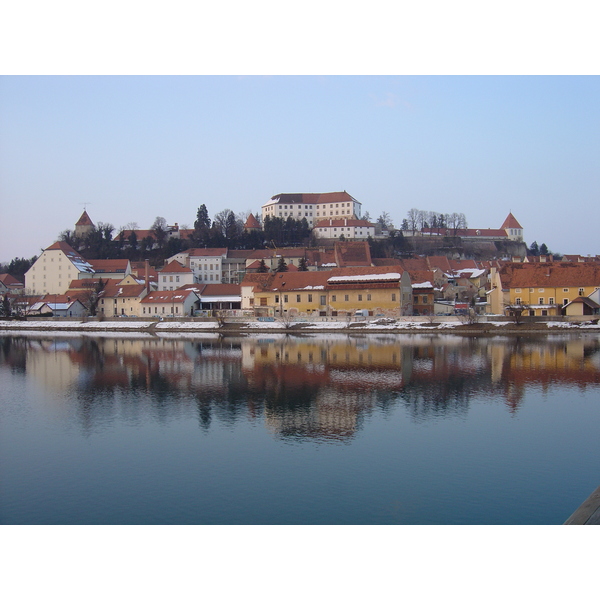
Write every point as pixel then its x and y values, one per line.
pixel 147 275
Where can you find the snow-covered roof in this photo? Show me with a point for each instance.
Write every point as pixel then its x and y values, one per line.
pixel 424 284
pixel 470 272
pixel 371 277
pixel 60 305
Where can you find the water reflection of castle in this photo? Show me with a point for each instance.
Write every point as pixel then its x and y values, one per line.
pixel 303 387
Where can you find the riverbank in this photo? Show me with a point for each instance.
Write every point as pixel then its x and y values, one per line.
pixel 405 325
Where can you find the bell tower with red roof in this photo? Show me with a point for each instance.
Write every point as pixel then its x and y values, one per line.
pixel 513 228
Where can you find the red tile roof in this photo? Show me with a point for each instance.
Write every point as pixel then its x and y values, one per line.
pixel 175 267
pixel 511 223
pixel 114 290
pixel 116 265
pixel 176 296
pixel 9 281
pixel 207 252
pixel 251 222
pixel 557 274
pixel 64 247
pixel 221 289
pixel 84 219
pixel 352 254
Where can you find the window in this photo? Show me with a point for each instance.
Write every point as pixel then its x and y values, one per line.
pixel 334 298
pixel 565 290
pixel 323 300
pixel 263 301
pixel 368 297
pixel 346 298
pixel 360 297
pixel 297 297
pixel 393 297
pixel 285 298
pixel 518 301
pixel 170 277
pixel 581 291
pixel 550 300
pixel 310 297
pixel 540 290
pixel 276 299
pixel 416 299
pixel 517 290
pixel 565 301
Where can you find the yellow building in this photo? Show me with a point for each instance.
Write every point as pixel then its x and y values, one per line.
pixel 368 291
pixel 543 289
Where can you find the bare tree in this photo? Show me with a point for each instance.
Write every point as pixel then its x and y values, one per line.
pixel 160 229
pixel 413 219
pixel 516 311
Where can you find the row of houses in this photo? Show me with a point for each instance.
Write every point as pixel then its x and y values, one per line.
pixel 419 285
pixel 534 289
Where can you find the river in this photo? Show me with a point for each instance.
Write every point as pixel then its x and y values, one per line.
pixel 282 429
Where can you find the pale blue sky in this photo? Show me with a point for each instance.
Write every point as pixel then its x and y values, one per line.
pixel 139 147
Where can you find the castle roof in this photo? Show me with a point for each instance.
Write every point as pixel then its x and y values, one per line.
pixel 324 198
pixel 84 220
pixel 251 222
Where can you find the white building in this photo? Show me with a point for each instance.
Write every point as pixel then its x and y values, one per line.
pixel 351 229
pixel 205 263
pixel 312 207
pixel 176 303
pixel 174 275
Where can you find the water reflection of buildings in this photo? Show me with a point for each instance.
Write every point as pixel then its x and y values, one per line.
pixel 303 387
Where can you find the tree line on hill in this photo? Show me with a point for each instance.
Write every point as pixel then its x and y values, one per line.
pixel 226 230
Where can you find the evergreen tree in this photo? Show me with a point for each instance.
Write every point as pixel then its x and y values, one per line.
pixel 5 309
pixel 281 265
pixel 302 266
pixel 202 220
pixel 262 267
pixel 534 249
pixel 544 250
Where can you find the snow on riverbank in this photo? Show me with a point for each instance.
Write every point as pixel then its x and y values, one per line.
pixel 180 327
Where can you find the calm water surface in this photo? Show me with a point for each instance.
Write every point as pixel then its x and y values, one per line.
pixel 332 429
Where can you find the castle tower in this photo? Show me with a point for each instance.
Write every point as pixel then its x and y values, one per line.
pixel 84 225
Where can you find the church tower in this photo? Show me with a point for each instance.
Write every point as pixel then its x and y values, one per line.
pixel 513 228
